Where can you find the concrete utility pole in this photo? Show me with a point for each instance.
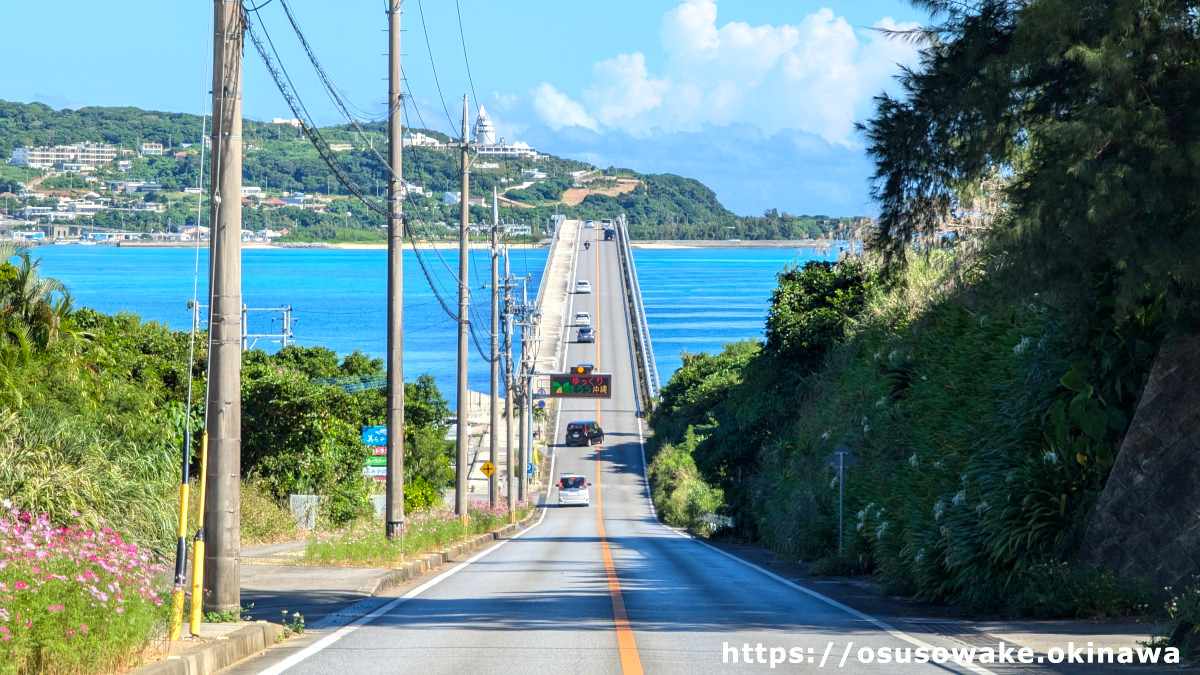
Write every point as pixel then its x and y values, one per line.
pixel 461 468
pixel 509 390
pixel 493 432
pixel 394 501
pixel 526 394
pixel 223 503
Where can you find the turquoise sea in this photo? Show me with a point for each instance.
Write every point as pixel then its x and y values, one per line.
pixel 696 299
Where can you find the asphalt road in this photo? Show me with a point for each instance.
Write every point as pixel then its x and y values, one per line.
pixel 605 588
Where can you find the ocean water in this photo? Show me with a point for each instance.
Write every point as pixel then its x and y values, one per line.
pixel 696 299
pixel 338 296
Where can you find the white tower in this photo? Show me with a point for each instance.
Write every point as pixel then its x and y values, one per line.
pixel 485 132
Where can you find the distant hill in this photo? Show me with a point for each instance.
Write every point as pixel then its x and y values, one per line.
pixel 279 158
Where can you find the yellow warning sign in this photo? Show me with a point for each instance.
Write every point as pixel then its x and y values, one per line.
pixel 488 469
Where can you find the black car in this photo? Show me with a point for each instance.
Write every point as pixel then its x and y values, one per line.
pixel 584 432
pixel 586 334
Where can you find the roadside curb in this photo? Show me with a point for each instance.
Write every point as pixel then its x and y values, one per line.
pixel 207 657
pixel 212 655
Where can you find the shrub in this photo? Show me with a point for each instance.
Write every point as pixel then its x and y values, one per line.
pixel 682 498
pixel 1061 591
pixel 1183 628
pixel 264 519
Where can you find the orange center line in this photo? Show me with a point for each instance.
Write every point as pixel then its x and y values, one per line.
pixel 631 662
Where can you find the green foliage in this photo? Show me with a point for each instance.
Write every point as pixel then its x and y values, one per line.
pixel 1183 628
pixel 1090 108
pixel 264 519
pixel 1058 591
pixel 420 494
pixel 681 496
pixel 810 309
pixel 983 431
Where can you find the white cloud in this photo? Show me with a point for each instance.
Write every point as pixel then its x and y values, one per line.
pixel 556 110
pixel 624 89
pixel 816 76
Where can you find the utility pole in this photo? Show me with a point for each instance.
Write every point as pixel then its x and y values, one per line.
pixel 224 404
pixel 394 489
pixel 494 422
pixel 526 394
pixel 509 390
pixel 461 468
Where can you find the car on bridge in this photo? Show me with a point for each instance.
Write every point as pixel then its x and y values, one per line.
pixel 583 319
pixel 589 224
pixel 584 432
pixel 586 334
pixel 583 286
pixel 573 489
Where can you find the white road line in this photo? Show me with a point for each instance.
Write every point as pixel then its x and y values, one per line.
pixel 322 644
pixel 878 623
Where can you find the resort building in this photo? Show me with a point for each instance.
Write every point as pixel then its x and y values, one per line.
pixel 485 140
pixel 90 154
pixel 150 149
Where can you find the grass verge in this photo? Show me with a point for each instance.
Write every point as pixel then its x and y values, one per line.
pixel 362 544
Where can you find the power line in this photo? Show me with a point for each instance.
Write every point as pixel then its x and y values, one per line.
pixel 433 66
pixel 467 61
pixel 300 110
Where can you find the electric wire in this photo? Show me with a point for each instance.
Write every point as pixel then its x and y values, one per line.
pixel 300 110
pixel 467 61
pixel 433 66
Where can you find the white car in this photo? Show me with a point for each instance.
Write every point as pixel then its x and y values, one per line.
pixel 589 224
pixel 583 319
pixel 573 490
pixel 583 286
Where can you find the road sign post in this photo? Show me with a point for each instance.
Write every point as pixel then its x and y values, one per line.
pixel 840 460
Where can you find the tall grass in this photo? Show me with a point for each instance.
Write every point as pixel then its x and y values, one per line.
pixel 363 544
pixel 58 464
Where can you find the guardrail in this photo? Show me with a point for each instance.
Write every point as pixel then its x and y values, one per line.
pixel 557 219
pixel 641 328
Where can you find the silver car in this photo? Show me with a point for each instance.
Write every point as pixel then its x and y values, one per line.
pixel 573 490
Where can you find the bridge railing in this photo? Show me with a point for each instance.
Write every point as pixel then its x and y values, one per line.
pixel 641 328
pixel 557 220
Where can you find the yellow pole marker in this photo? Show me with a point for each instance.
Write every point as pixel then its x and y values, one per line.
pixel 177 596
pixel 198 545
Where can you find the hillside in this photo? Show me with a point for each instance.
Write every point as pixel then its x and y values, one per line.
pixel 280 159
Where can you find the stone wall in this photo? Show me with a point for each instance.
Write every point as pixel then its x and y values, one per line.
pixel 1147 524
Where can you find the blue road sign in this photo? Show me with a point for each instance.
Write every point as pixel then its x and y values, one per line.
pixel 374 435
pixel 529 468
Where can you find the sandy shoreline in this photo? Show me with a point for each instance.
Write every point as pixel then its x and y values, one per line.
pixel 664 244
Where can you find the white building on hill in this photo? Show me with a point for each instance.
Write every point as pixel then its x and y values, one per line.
pixel 485 140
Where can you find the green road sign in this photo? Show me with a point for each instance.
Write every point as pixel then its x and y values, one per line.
pixel 576 385
pixel 375 461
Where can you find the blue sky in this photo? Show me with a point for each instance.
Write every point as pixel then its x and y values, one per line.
pixel 756 98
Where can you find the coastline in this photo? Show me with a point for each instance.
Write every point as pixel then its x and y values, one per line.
pixel 660 244
pixel 663 244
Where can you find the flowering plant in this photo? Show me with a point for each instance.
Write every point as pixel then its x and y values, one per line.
pixel 73 598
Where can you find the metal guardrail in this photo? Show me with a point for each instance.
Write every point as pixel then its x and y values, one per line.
pixel 549 259
pixel 648 365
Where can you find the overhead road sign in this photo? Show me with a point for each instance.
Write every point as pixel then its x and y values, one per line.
pixel 576 385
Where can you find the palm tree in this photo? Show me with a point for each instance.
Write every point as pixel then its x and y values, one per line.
pixel 32 307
